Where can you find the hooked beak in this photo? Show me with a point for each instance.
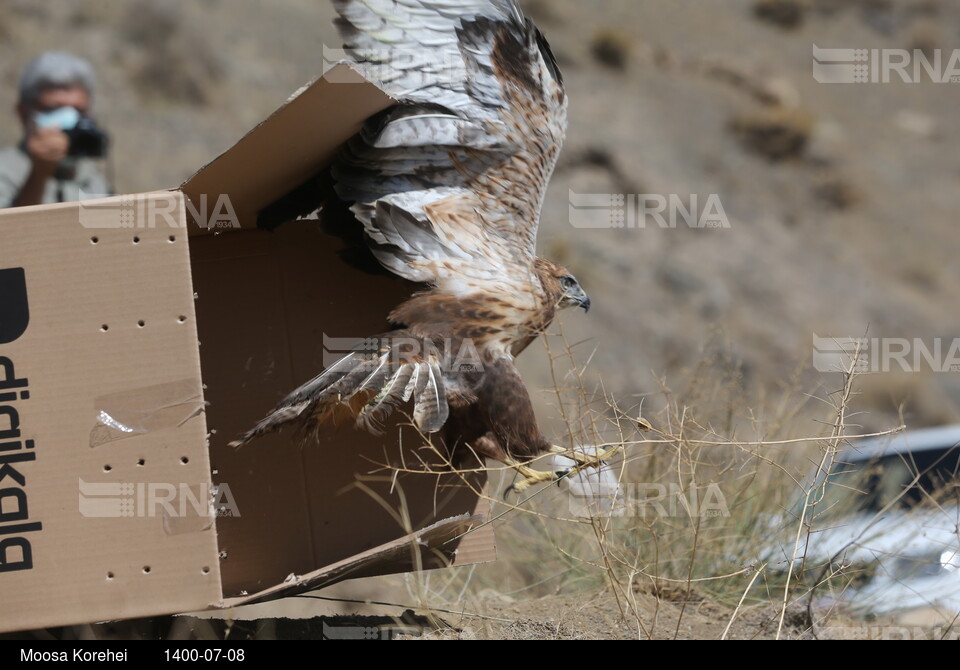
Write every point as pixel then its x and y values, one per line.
pixel 577 298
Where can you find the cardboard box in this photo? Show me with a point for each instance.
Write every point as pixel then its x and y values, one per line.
pixel 138 336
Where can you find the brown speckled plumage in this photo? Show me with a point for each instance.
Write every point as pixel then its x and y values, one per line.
pixel 448 186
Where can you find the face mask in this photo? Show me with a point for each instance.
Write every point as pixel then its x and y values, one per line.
pixel 64 118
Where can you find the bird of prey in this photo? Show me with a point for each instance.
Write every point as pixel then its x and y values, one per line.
pixel 448 185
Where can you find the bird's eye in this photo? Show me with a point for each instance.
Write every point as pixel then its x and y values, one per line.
pixel 568 282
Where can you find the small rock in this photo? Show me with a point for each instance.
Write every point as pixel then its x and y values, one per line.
pixel 786 14
pixel 777 134
pixel 915 123
pixel 611 48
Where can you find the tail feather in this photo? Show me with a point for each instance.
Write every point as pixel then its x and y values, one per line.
pixel 412 384
pixel 372 416
pixel 273 421
pixel 393 391
pixel 328 377
pixel 367 386
pixel 380 370
pixel 430 410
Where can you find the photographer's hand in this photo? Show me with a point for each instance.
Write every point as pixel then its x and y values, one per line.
pixel 46 147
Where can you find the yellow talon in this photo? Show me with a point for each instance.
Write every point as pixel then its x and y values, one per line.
pixel 533 477
pixel 585 460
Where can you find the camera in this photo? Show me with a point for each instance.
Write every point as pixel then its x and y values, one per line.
pixel 87 139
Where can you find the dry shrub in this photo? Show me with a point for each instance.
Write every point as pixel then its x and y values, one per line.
pixel 714 499
pixel 703 495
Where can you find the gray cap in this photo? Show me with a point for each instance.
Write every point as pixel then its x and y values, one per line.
pixel 54 69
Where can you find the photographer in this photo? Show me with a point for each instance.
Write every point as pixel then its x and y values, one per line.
pixel 55 161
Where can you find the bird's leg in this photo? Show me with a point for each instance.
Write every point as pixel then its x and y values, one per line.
pixel 585 460
pixel 487 445
pixel 533 477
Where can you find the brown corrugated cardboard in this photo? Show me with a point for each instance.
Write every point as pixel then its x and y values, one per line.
pixel 133 348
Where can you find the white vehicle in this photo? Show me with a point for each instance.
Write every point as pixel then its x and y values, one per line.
pixel 885 525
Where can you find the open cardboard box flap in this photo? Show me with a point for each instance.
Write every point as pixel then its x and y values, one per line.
pixel 292 145
pixel 426 548
pixel 131 354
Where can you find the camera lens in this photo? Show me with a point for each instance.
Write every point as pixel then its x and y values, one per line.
pixel 87 139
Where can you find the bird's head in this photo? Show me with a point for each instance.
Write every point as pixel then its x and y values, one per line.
pixel 562 288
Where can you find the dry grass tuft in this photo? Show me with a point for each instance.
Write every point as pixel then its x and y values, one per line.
pixel 698 491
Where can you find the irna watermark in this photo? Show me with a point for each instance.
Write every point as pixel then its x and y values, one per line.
pixel 885 354
pixel 454 355
pixel 650 500
pixel 882 66
pixel 155 499
pixel 646 210
pixel 156 210
pixel 387 631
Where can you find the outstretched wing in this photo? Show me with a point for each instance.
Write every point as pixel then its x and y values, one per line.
pixel 449 183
